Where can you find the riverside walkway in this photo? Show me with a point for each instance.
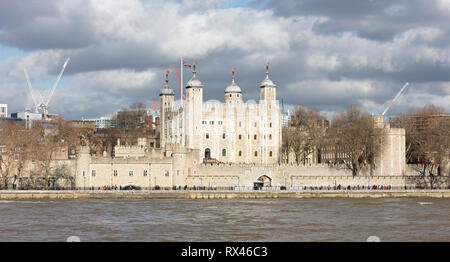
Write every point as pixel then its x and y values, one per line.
pixel 213 194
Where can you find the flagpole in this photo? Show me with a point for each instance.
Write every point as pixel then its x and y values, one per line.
pixel 181 83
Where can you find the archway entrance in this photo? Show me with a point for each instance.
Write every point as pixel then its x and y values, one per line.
pixel 262 181
pixel 207 153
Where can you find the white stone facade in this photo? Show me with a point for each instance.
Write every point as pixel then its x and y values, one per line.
pixel 232 131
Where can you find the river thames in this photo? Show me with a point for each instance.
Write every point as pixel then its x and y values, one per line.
pixel 389 219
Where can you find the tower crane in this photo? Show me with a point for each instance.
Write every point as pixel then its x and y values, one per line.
pixel 395 98
pixel 42 106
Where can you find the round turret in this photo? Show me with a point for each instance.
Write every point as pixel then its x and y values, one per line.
pixel 267 82
pixel 233 87
pixel 167 90
pixel 194 82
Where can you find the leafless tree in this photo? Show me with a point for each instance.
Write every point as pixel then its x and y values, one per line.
pixel 427 144
pixel 131 122
pixel 48 140
pixel 354 134
pixel 304 133
pixel 11 144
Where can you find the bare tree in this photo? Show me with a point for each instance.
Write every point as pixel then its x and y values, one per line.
pixel 427 144
pixel 49 139
pixel 10 143
pixel 304 133
pixel 354 134
pixel 131 122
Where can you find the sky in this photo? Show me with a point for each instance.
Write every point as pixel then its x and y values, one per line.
pixel 323 53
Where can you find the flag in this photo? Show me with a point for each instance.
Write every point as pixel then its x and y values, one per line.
pixel 186 64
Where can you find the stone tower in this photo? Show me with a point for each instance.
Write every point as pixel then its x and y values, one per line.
pixel 193 111
pixel 233 93
pixel 166 100
pixel 270 119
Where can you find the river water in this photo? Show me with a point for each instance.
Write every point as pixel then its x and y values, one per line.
pixel 390 219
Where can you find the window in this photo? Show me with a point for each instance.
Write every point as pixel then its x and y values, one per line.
pixel 167 173
pixel 224 152
pixel 240 123
pixel 130 173
pixel 207 136
pixel 93 172
pixel 238 95
pixel 270 153
pixel 270 124
pixel 84 173
pixel 223 135
pixel 255 124
pixel 240 137
pixel 115 172
pixel 145 172
pixel 256 153
pixel 230 95
pixel 240 153
pixel 270 136
pixel 255 137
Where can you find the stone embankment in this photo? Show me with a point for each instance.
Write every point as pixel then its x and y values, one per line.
pixel 9 195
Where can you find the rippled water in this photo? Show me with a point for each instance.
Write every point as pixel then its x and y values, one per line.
pixel 396 219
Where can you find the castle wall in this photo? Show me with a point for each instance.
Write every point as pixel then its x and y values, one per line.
pixel 288 176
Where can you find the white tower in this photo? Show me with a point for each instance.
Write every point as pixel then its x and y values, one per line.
pixel 194 109
pixel 166 100
pixel 270 119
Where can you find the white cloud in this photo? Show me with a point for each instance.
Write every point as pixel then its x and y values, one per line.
pixel 122 49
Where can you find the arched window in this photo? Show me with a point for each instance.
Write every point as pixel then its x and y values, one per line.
pixel 207 136
pixel 270 154
pixel 256 153
pixel 255 137
pixel 240 153
pixel 240 137
pixel 207 153
pixel 270 136
pixel 223 135
pixel 224 152
pixel 230 95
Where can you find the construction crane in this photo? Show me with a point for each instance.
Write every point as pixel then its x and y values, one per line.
pixel 395 98
pixel 42 106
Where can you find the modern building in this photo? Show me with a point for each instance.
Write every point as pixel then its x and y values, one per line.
pixel 102 122
pixel 3 110
pixel 232 131
pixel 285 118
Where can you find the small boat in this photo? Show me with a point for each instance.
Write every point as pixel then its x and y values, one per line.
pixel 424 203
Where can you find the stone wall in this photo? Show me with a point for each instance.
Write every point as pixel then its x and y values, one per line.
pixel 287 175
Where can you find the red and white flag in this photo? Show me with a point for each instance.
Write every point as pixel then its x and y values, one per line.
pixel 186 64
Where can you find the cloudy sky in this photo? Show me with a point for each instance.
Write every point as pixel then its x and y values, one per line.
pixel 323 53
